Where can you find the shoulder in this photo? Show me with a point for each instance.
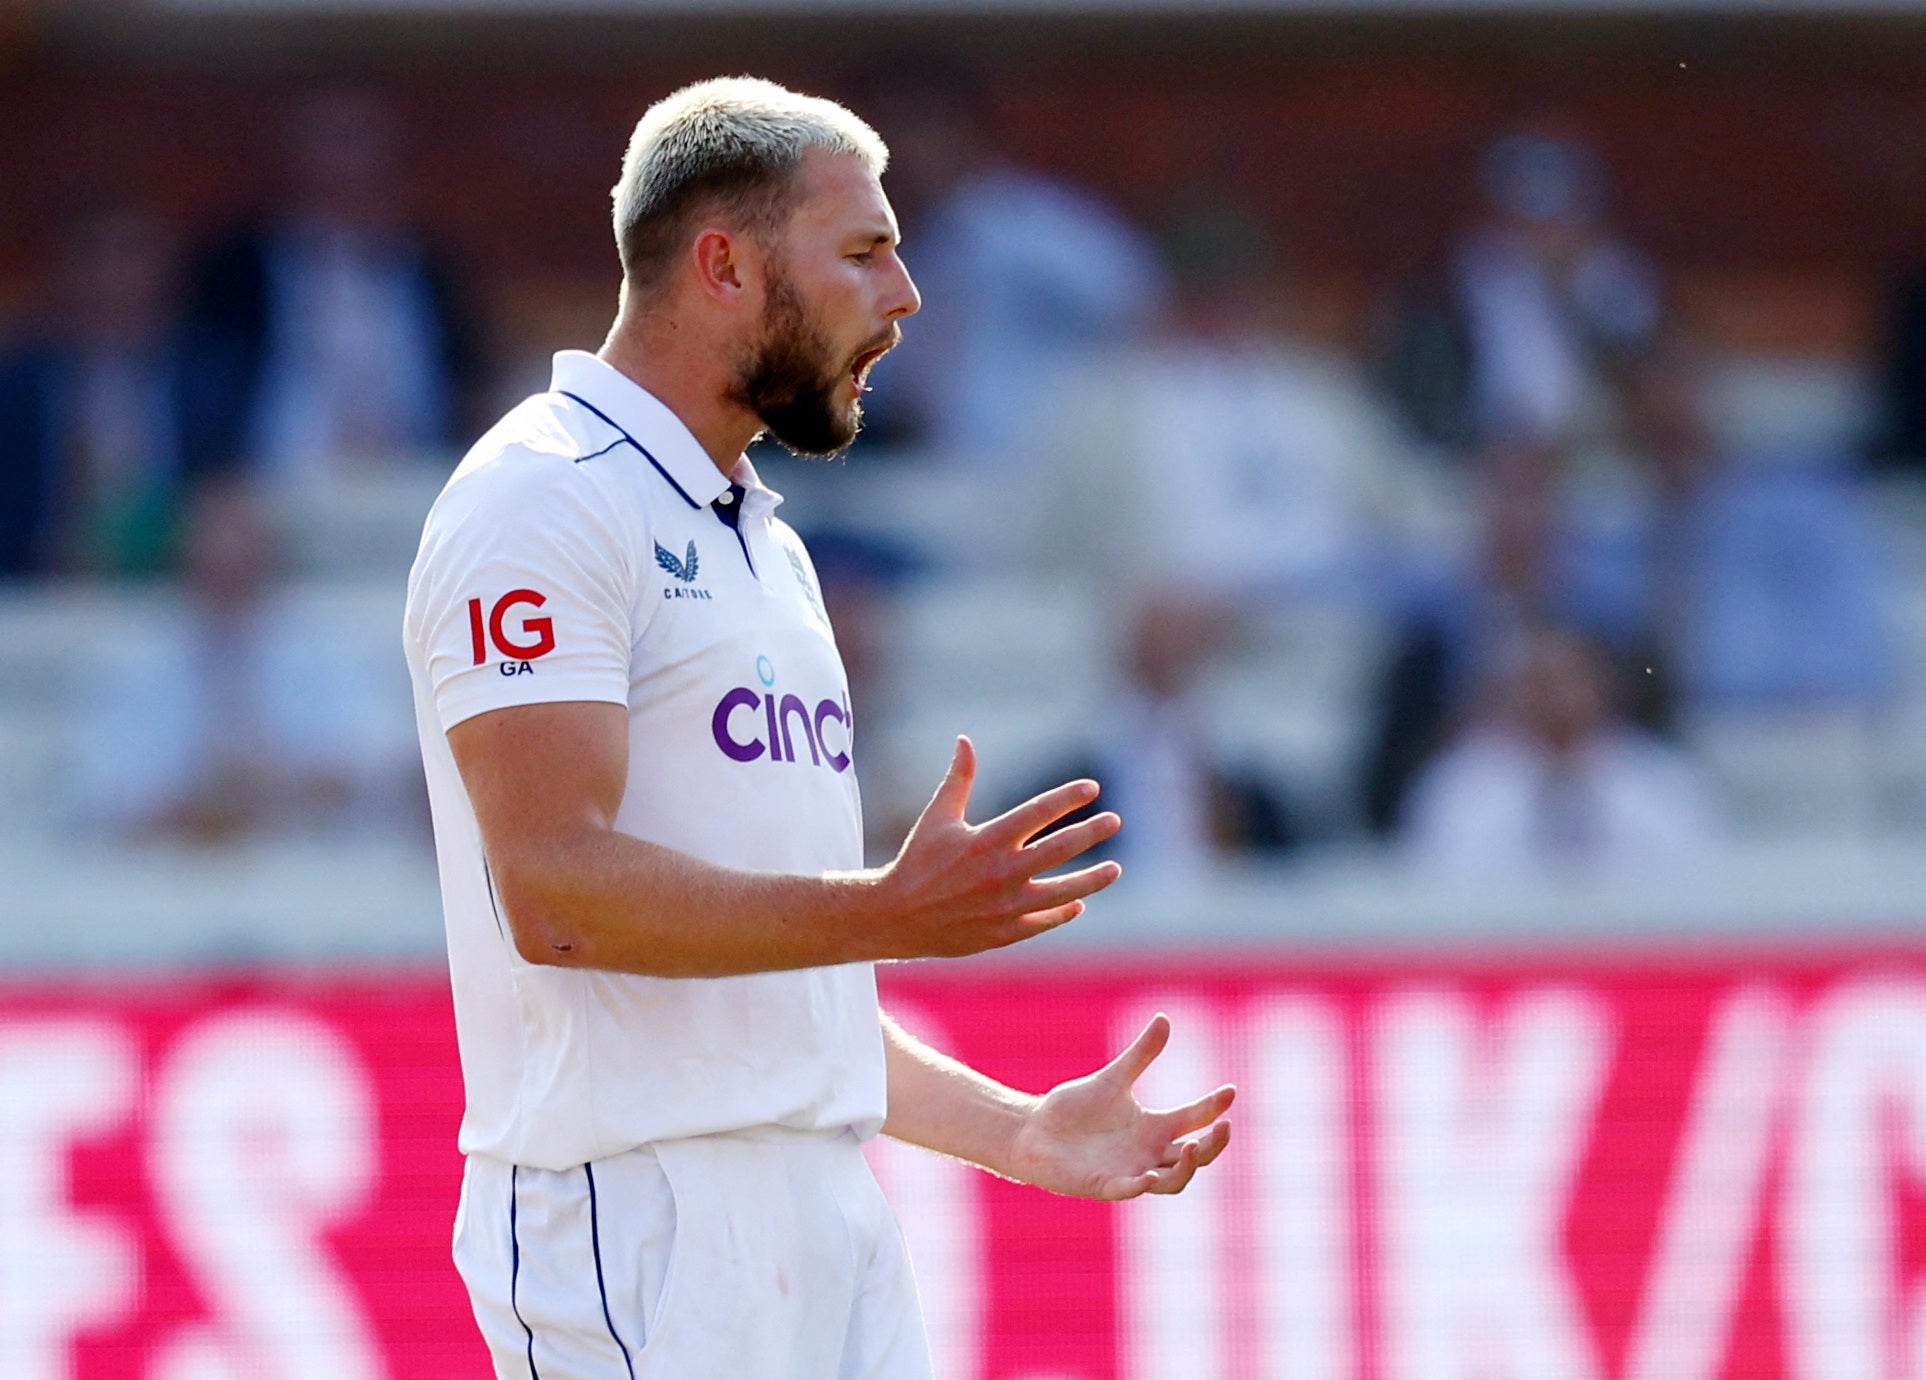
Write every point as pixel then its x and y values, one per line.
pixel 544 446
pixel 546 474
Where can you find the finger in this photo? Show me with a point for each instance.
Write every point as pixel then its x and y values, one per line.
pixel 1116 1190
pixel 1194 1116
pixel 952 796
pixel 1045 892
pixel 1176 1169
pixel 1129 1066
pixel 1211 1144
pixel 1179 1175
pixel 1021 823
pixel 1041 921
pixel 1056 849
pixel 1202 1151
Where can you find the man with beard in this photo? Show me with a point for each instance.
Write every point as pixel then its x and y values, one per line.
pixel 638 746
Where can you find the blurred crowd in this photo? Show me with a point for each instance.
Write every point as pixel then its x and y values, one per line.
pixel 1556 563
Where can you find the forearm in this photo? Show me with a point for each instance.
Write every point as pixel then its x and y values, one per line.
pixel 946 1106
pixel 608 901
pixel 547 781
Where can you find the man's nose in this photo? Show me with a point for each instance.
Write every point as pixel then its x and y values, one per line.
pixel 905 300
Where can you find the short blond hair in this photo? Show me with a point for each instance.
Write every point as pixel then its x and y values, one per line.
pixel 730 146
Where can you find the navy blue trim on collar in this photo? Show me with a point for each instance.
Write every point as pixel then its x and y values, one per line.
pixel 573 397
pixel 618 441
pixel 729 514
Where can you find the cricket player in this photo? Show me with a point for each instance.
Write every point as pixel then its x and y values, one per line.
pixel 639 751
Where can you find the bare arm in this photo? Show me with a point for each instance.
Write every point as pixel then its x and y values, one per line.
pixel 1088 1138
pixel 546 781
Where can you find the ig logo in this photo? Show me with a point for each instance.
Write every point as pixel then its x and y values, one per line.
pixel 530 639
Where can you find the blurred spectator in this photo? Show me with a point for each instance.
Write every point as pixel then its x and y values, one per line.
pixel 1774 585
pixel 242 719
pixel 90 463
pixel 1553 774
pixel 1222 452
pixel 1183 807
pixel 1518 356
pixel 1520 339
pixel 1546 551
pixel 1018 271
pixel 330 335
pixel 1745 581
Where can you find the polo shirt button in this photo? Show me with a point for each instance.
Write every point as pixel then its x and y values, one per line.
pixel 727 498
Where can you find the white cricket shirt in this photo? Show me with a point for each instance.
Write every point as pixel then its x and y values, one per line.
pixel 588 549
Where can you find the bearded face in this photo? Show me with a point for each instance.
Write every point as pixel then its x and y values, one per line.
pixel 791 376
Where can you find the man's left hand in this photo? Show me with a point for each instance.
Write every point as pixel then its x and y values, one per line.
pixel 1091 1138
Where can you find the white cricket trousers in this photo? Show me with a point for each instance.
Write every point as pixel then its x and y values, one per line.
pixel 760 1255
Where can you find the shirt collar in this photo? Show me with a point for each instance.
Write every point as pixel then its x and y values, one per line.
pixel 647 421
pixel 758 495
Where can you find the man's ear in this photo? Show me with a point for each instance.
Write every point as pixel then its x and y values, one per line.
pixel 719 267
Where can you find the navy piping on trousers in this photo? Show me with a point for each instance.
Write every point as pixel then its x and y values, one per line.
pixel 595 1245
pixel 515 1274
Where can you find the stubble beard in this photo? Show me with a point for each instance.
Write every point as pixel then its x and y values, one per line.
pixel 789 379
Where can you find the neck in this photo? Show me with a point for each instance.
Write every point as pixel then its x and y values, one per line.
pixel 688 374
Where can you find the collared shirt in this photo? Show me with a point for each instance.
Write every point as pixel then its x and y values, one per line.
pixel 587 548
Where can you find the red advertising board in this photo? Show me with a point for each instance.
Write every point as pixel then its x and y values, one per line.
pixel 1565 1171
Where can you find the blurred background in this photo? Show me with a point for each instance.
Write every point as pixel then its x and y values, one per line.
pixel 1454 469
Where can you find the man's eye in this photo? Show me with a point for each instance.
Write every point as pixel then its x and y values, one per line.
pixel 863 257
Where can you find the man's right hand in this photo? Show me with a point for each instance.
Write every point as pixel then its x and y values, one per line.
pixel 960 888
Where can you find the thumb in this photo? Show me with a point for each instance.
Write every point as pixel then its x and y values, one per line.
pixel 1129 1066
pixel 952 796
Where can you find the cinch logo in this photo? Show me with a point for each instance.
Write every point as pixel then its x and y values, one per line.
pixel 538 632
pixel 775 723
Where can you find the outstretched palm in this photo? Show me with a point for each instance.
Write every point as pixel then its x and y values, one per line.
pixel 1091 1138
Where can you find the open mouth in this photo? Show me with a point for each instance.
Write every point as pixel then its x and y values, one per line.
pixel 863 363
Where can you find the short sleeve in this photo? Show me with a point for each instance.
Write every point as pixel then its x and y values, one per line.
pixel 524 591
